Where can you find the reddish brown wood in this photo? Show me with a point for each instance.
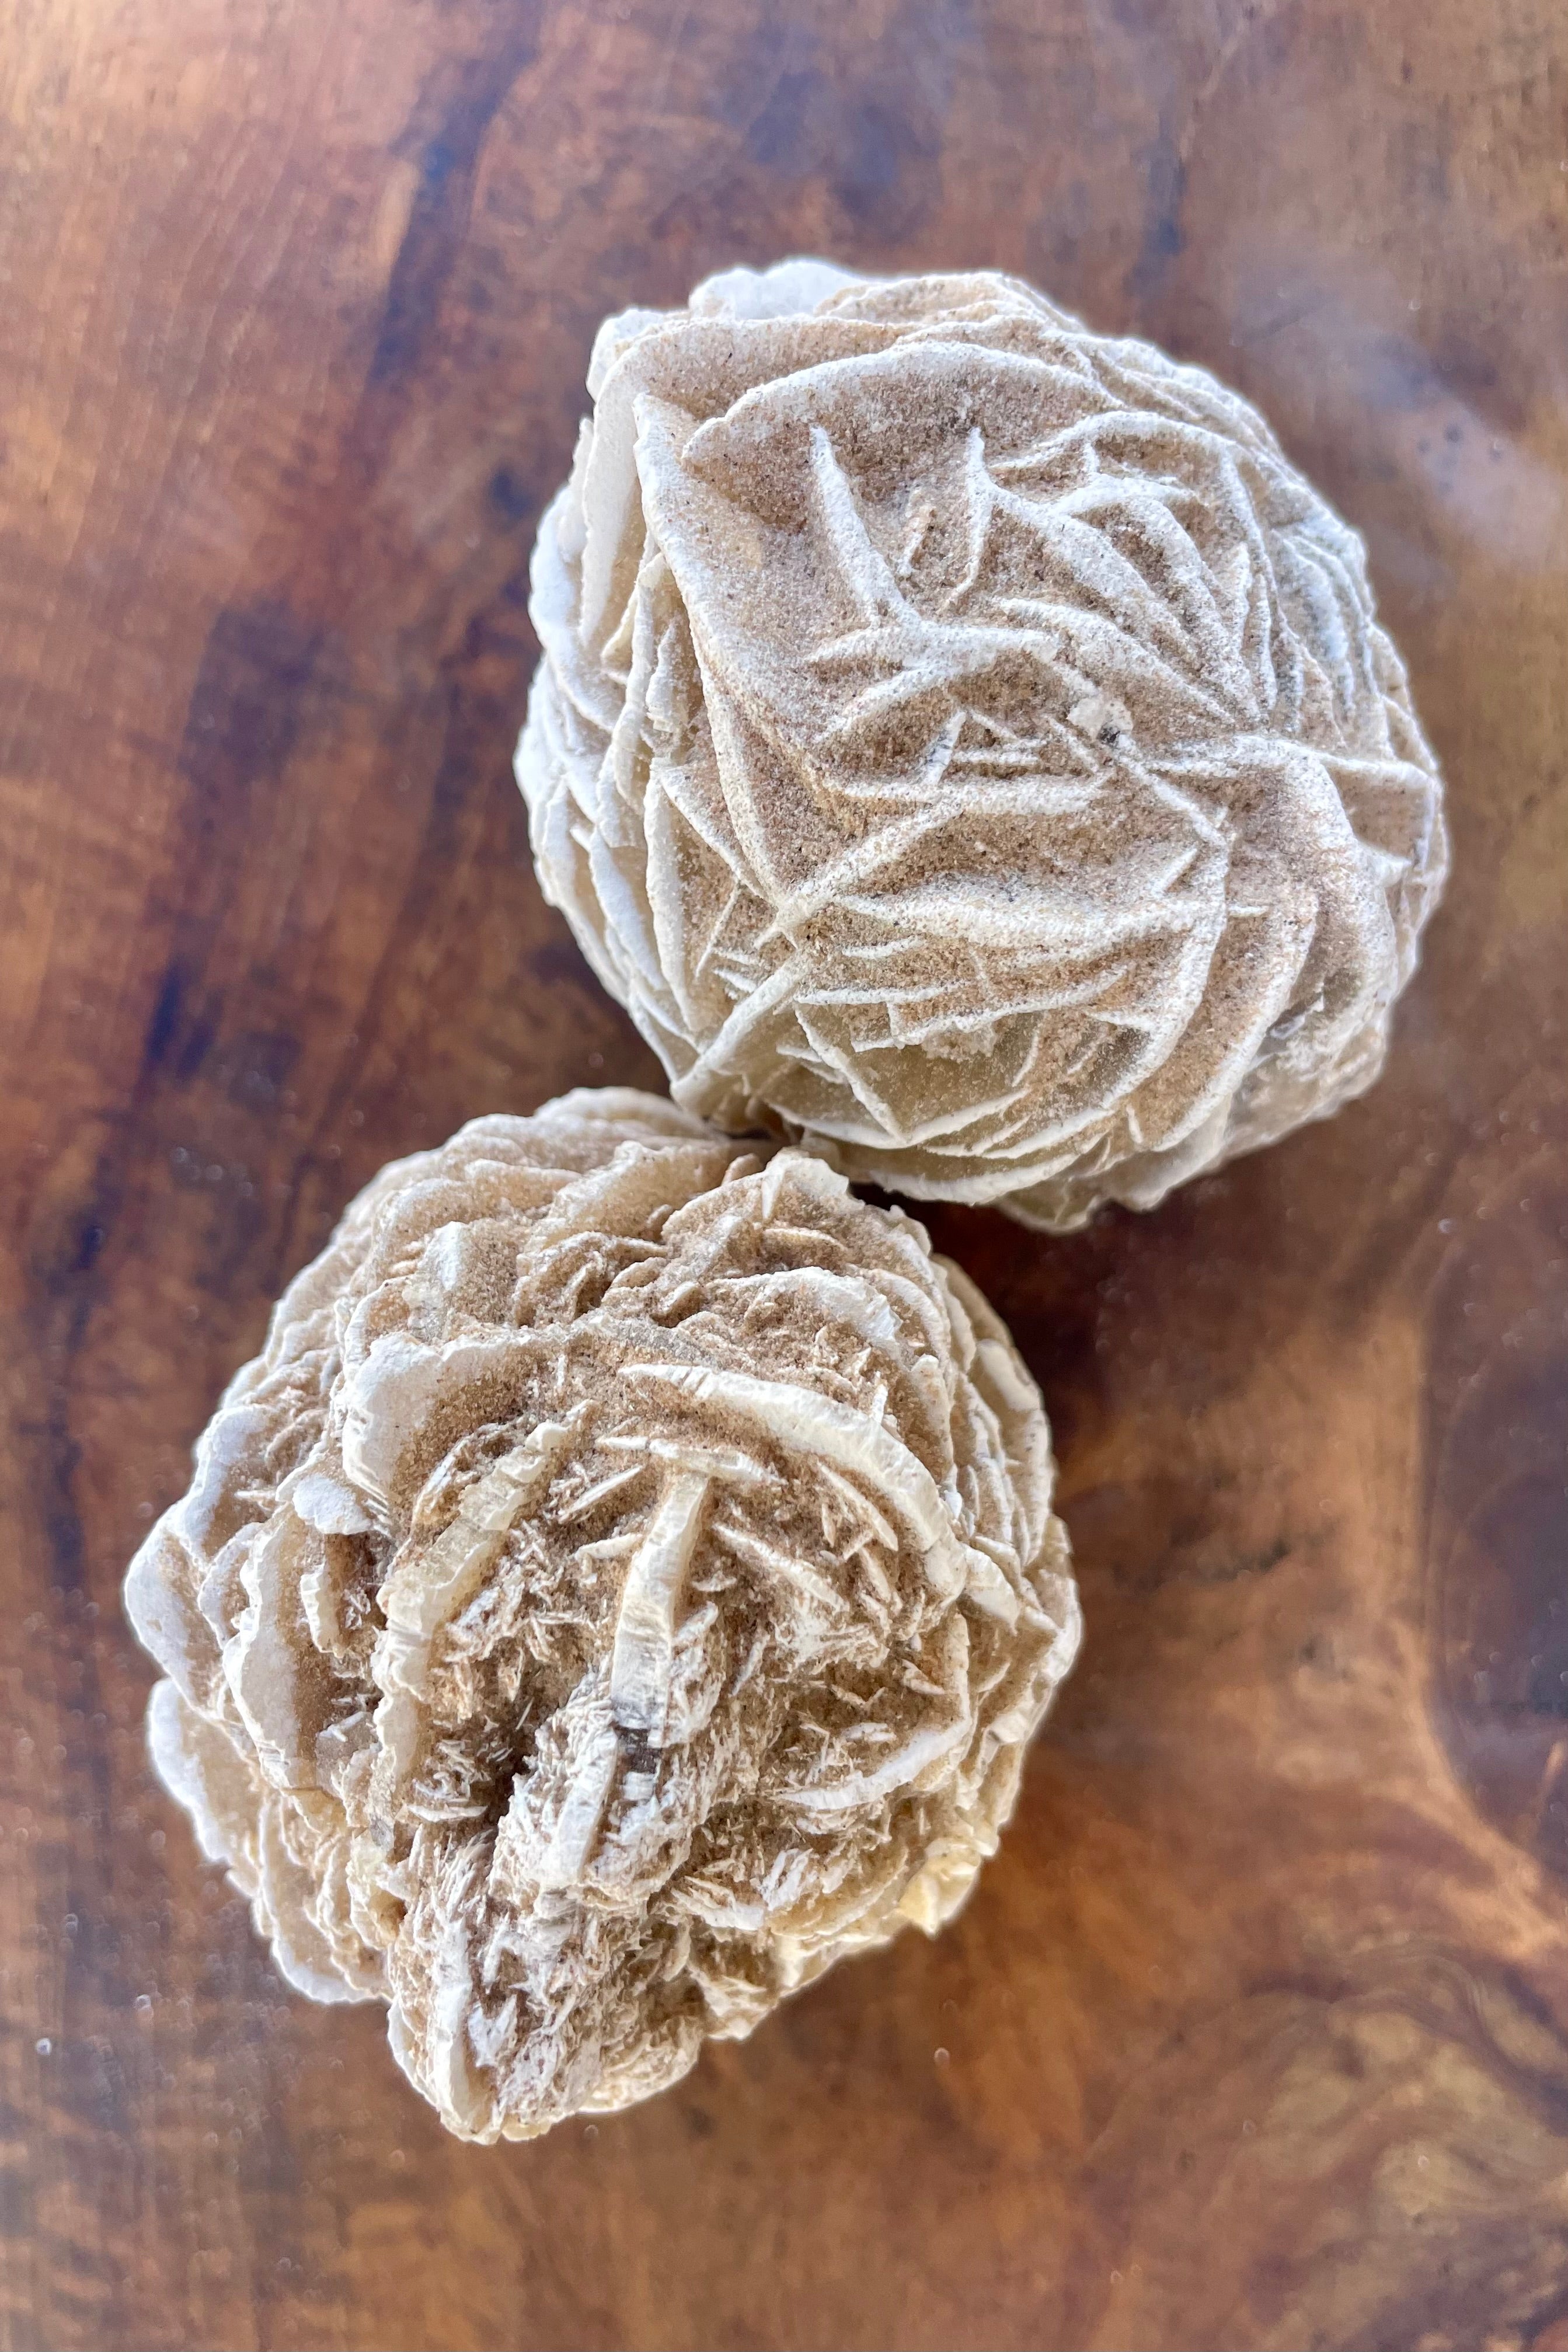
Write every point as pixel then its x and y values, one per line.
pixel 1257 2034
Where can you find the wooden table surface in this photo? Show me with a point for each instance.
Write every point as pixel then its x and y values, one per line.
pixel 1257 2033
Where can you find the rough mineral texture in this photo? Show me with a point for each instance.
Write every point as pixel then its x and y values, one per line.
pixel 963 741
pixel 625 1583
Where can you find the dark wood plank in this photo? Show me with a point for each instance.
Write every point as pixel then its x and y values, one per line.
pixel 1257 2033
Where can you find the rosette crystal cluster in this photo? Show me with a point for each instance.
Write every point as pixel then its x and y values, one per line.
pixel 965 743
pixel 625 1582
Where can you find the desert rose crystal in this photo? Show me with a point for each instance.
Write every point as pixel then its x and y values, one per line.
pixel 965 743
pixel 625 1583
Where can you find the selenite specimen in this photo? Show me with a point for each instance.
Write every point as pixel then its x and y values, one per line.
pixel 625 1583
pixel 963 741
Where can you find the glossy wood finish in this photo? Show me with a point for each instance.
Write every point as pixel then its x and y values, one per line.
pixel 1257 2034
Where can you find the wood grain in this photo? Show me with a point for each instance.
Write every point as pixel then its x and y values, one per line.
pixel 1257 2034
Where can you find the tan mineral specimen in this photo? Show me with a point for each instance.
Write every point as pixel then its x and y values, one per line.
pixel 625 1583
pixel 965 743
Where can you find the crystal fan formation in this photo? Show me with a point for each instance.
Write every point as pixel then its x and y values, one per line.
pixel 626 1581
pixel 963 742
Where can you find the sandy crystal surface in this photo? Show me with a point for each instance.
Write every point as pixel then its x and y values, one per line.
pixel 625 1583
pixel 964 742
